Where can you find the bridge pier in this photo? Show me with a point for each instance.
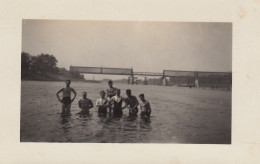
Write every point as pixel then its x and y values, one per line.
pixel 196 79
pixel 132 79
pixel 145 80
pixel 164 81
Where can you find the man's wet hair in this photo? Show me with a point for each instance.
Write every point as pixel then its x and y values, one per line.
pixel 68 80
pixel 128 91
pixel 103 92
pixel 141 95
pixel 110 81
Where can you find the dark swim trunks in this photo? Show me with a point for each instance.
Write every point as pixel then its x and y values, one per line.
pixel 102 110
pixel 66 100
pixel 145 113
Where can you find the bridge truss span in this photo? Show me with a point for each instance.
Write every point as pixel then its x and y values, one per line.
pixel 102 70
pixel 147 74
pixel 176 76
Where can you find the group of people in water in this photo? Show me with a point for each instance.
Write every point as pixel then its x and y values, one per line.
pixel 109 102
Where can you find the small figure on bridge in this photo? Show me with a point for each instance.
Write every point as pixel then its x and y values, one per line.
pixel 131 103
pixel 111 91
pixel 102 104
pixel 85 104
pixel 117 100
pixel 145 107
pixel 66 97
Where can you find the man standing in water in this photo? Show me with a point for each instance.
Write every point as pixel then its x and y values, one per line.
pixel 66 97
pixel 111 91
pixel 85 104
pixel 117 101
pixel 102 104
pixel 145 107
pixel 131 103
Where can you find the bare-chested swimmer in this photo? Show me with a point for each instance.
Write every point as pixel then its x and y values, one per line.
pixel 131 103
pixel 85 104
pixel 145 106
pixel 66 97
pixel 102 104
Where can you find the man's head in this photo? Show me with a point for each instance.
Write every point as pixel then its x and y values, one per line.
pixel 128 92
pixel 141 96
pixel 102 94
pixel 118 91
pixel 67 82
pixel 84 94
pixel 110 83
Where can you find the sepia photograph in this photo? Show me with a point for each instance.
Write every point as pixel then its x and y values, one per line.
pixel 97 81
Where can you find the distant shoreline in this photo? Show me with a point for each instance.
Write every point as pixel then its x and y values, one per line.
pixel 54 77
pixel 57 80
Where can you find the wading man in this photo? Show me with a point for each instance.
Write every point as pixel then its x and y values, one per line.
pixel 117 100
pixel 85 104
pixel 111 91
pixel 145 107
pixel 66 97
pixel 131 103
pixel 102 104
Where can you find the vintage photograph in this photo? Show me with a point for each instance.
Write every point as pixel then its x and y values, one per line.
pixel 93 81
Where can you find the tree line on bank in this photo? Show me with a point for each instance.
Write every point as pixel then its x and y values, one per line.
pixel 44 67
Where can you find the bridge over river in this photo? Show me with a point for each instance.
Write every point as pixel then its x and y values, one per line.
pixel 194 75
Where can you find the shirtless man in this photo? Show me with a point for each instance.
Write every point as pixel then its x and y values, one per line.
pixel 66 97
pixel 102 104
pixel 111 91
pixel 145 107
pixel 131 103
pixel 85 104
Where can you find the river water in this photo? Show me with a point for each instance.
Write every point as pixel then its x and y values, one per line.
pixel 179 115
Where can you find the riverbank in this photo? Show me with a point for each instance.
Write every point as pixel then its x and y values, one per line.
pixel 53 77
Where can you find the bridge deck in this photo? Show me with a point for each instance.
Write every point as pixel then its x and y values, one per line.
pixel 129 72
pixel 148 74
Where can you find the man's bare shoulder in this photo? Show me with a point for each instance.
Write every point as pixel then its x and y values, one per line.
pixel 60 90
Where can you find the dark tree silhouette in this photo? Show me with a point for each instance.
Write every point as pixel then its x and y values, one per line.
pixel 44 63
pixel 25 62
pixel 44 66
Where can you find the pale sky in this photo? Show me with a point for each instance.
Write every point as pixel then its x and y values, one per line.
pixel 145 46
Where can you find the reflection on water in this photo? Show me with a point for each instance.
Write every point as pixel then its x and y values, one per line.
pixel 179 115
pixel 107 128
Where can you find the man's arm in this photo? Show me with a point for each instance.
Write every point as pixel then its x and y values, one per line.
pixel 105 104
pixel 75 93
pixel 112 99
pixel 127 105
pixel 149 108
pixel 97 104
pixel 57 94
pixel 136 103
pixel 110 94
pixel 123 107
